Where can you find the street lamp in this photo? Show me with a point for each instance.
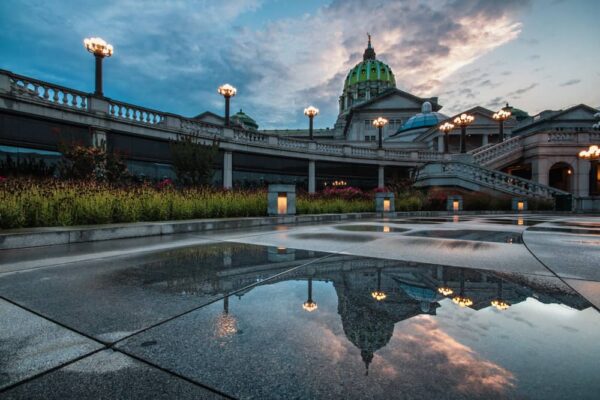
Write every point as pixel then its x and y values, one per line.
pixel 461 299
pixel 593 155
pixel 498 302
pixel 309 305
pixel 378 294
pixel 446 127
pixel 228 92
pixel 100 49
pixel 502 116
pixel 379 123
pixel 463 121
pixel 310 112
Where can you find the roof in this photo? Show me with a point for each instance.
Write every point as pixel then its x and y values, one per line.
pixel 548 116
pixel 424 119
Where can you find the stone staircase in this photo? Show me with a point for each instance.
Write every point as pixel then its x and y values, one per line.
pixel 475 177
pixel 499 155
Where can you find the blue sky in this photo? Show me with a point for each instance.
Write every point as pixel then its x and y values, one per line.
pixel 284 55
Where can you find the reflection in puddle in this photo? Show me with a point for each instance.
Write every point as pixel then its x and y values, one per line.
pixel 579 224
pixel 385 326
pixel 370 228
pixel 575 231
pixel 333 236
pixel 517 221
pixel 476 235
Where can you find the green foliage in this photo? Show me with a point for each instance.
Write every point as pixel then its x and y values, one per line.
pixel 193 161
pixel 91 163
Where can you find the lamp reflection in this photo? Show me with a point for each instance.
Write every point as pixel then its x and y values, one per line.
pixel 226 325
pixel 378 294
pixel 461 299
pixel 309 305
pixel 445 290
pixel 499 303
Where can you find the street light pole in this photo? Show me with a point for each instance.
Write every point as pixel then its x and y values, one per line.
pixel 446 127
pixel 310 112
pixel 502 116
pixel 228 92
pixel 379 123
pixel 100 49
pixel 463 121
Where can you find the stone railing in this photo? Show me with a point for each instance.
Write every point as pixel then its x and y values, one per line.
pixel 562 137
pixel 34 89
pixel 119 110
pixel 193 127
pixel 486 154
pixel 488 178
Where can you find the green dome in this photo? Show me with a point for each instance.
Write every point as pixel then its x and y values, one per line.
pixel 244 120
pixel 368 71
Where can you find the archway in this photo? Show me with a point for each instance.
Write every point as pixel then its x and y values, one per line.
pixel 559 176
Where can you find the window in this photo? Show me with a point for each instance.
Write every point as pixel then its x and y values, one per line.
pixel 368 124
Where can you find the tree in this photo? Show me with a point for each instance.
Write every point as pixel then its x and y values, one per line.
pixel 193 160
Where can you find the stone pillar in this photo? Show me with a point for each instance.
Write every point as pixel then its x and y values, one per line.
pixel 484 139
pixel 312 184
pixel 440 143
pixel 582 178
pixel 380 178
pixel 228 170
pixel 539 170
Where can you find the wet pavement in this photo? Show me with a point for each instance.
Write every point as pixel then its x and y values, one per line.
pixel 456 307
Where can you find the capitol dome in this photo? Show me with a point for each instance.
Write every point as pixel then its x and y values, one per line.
pixel 244 120
pixel 425 119
pixel 366 80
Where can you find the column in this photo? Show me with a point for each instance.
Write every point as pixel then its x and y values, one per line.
pixel 440 144
pixel 311 176
pixel 582 178
pixel 227 170
pixel 380 178
pixel 484 139
pixel 99 139
pixel 539 170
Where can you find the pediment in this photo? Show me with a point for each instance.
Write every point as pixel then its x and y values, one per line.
pixel 577 113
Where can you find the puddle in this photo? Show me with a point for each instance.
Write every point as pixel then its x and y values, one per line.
pixel 475 235
pixel 338 237
pixel 370 228
pixel 565 230
pixel 357 328
pixel 517 221
pixel 579 224
pixel 418 221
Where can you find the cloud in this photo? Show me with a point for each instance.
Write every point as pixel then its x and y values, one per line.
pixel 521 91
pixel 570 82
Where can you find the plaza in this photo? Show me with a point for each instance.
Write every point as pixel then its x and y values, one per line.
pixel 465 306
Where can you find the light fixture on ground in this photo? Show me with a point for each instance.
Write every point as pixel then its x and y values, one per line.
pixel 463 121
pixel 311 112
pixel 379 123
pixel 446 127
pixel 100 49
pixel 309 305
pixel 228 92
pixel 502 116
pixel 378 294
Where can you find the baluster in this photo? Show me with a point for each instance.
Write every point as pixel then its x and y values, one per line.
pixel 55 95
pixel 123 111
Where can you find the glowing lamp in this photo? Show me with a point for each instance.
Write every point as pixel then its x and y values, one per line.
pixel 282 203
pixel 386 205
pixel 456 205
pixel 309 306
pixel 462 301
pixel 378 295
pixel 500 304
pixel 520 205
pixel 445 290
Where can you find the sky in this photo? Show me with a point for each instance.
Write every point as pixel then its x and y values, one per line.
pixel 283 55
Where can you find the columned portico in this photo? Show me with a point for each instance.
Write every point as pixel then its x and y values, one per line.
pixel 484 139
pixel 582 177
pixel 227 170
pixel 539 170
pixel 312 184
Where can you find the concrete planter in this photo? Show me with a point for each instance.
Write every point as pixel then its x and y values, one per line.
pixel 384 203
pixel 281 200
pixel 454 203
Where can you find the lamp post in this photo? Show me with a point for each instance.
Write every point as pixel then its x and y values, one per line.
pixel 463 121
pixel 502 116
pixel 379 123
pixel 446 127
pixel 593 155
pixel 309 305
pixel 310 112
pixel 100 49
pixel 228 92
pixel 461 299
pixel 378 294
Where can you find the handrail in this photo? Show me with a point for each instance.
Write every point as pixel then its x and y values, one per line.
pixel 486 154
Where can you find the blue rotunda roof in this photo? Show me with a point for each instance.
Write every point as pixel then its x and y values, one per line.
pixel 424 119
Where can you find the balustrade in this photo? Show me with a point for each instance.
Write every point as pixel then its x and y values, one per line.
pixel 250 137
pixel 292 144
pixel 330 148
pixel 561 137
pixel 134 113
pixel 200 128
pixel 43 91
pixel 486 154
